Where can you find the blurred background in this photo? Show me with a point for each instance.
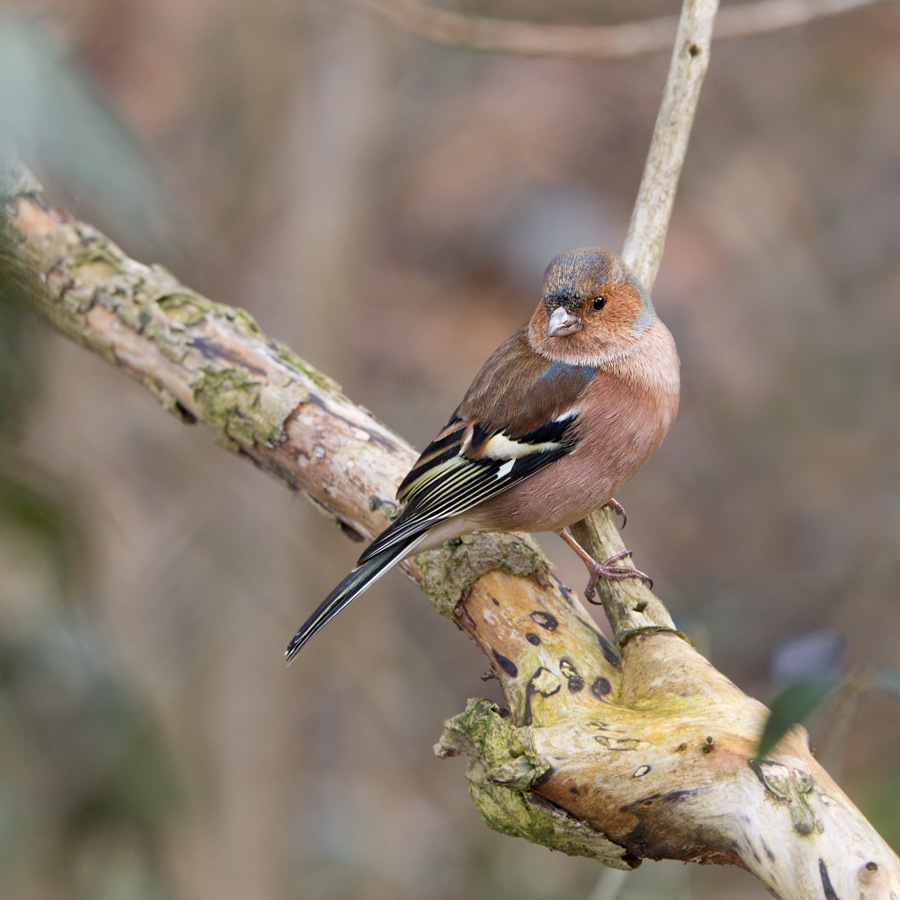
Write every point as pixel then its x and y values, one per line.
pixel 386 207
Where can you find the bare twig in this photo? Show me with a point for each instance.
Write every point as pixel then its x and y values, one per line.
pixel 455 29
pixel 765 16
pixel 644 242
pixel 595 42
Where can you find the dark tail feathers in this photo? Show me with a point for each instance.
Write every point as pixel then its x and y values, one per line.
pixel 348 590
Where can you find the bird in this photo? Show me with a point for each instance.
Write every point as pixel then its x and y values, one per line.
pixel 560 416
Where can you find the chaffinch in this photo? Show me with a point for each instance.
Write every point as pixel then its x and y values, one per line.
pixel 559 417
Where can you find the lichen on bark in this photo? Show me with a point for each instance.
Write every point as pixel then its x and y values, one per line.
pixel 502 767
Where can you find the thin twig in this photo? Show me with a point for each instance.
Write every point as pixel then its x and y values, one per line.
pixel 595 42
pixel 646 235
pixel 643 250
pixel 455 29
pixel 767 16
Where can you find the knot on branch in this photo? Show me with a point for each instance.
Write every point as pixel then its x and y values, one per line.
pixel 792 786
pixel 503 766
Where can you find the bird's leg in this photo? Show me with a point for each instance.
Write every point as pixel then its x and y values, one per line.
pixel 618 509
pixel 607 569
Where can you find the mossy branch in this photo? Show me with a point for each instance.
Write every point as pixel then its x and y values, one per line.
pixel 640 750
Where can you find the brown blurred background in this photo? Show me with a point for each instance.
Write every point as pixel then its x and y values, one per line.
pixel 386 207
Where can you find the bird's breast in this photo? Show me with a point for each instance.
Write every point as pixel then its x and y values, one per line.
pixel 624 415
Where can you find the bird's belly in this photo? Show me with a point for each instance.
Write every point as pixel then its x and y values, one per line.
pixel 554 498
pixel 574 486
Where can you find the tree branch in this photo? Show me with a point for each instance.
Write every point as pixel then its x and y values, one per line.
pixel 638 750
pixel 621 753
pixel 597 42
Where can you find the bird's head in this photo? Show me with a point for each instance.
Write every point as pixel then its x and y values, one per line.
pixel 592 306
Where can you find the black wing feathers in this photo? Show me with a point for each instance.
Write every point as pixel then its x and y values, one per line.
pixel 475 458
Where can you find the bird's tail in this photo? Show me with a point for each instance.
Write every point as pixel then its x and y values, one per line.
pixel 348 590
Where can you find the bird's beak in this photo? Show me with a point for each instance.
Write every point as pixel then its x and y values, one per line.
pixel 562 322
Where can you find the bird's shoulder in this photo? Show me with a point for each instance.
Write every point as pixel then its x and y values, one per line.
pixel 518 390
pixel 518 415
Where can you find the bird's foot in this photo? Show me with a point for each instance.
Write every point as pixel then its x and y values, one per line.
pixel 612 572
pixel 618 509
pixel 607 569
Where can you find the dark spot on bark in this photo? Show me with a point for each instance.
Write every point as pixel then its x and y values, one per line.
pixel 184 414
pixel 708 744
pixel 872 866
pixel 610 654
pixel 681 748
pixel 494 600
pixel 574 681
pixel 532 638
pixel 574 790
pixel 213 351
pixel 769 852
pixel 531 690
pixel 675 796
pixel 646 842
pixel 507 665
pixel 694 50
pixel 827 887
pixel 657 799
pixel 601 687
pixel 544 620
pixel 543 779
pixel 376 502
pixel 644 801
pixel 351 532
pixel 460 611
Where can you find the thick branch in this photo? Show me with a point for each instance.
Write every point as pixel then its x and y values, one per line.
pixel 597 42
pixel 622 757
pixel 622 754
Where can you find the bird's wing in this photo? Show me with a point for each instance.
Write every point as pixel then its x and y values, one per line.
pixel 520 415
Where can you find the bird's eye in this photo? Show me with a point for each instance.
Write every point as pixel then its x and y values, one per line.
pixel 599 302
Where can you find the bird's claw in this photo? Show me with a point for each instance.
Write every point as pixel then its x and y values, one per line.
pixel 607 569
pixel 618 509
pixel 612 572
